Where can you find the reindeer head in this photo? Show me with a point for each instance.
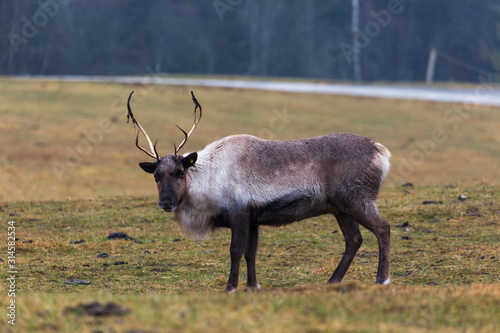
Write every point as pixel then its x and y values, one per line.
pixel 170 170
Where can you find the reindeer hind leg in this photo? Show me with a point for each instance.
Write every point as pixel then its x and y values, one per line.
pixel 353 240
pixel 372 220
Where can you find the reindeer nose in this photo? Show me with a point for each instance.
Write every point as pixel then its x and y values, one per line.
pixel 168 205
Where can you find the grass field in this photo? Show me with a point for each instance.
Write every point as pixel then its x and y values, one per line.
pixel 71 140
pixel 69 173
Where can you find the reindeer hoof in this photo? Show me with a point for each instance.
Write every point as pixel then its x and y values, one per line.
pixel 252 289
pixel 230 290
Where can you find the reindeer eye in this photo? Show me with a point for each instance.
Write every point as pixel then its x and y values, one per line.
pixel 157 178
pixel 180 174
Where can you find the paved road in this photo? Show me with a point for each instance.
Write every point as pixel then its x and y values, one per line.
pixel 484 94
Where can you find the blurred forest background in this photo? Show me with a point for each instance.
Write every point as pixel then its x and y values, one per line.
pixel 292 38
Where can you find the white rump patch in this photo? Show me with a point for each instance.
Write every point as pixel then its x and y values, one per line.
pixel 387 282
pixel 381 159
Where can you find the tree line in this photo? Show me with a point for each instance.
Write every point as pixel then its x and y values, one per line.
pixel 293 38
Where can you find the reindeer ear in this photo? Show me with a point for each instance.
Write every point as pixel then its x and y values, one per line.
pixel 189 160
pixel 149 167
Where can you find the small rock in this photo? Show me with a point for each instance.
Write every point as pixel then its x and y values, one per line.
pixel 406 238
pixel 335 231
pixel 407 185
pixel 177 240
pixel 462 197
pixel 407 273
pixel 42 314
pixel 404 225
pixel 146 252
pixel 13 214
pixel 432 283
pixel 28 242
pixel 483 257
pixel 78 241
pixel 431 202
pixel 120 263
pixel 97 309
pixel 1 260
pixel 123 235
pixel 435 221
pixel 118 235
pixel 472 214
pixel 106 264
pixel 102 255
pixel 428 231
pixel 450 186
pixel 86 265
pixel 73 281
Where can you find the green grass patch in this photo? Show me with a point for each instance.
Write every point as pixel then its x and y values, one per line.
pixel 444 268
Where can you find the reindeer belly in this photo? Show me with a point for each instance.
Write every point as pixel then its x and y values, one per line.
pixel 289 209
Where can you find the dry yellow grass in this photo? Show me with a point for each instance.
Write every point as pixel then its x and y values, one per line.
pixel 444 267
pixel 63 139
pixel 346 308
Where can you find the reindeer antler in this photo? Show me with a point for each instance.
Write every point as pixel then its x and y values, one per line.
pixel 153 153
pixel 196 121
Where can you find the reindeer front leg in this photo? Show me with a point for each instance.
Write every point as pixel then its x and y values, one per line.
pixel 250 254
pixel 239 223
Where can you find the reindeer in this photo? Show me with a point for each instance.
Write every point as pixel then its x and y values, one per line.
pixel 242 182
